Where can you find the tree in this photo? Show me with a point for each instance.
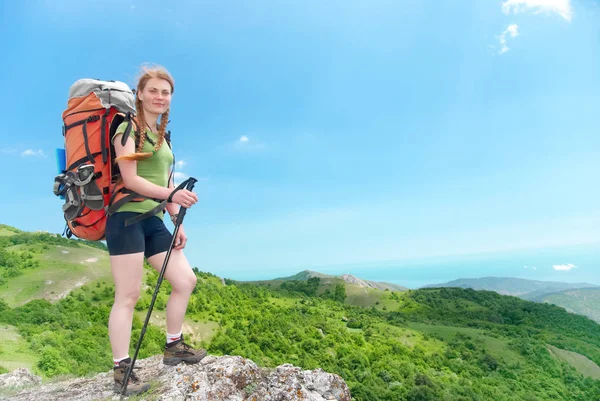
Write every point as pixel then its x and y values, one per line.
pixel 421 393
pixel 312 285
pixel 52 363
pixel 339 294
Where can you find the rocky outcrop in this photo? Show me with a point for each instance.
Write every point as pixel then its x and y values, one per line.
pixel 225 378
pixel 19 378
pixel 371 284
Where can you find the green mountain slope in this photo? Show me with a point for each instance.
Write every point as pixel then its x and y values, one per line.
pixel 426 344
pixel 523 288
pixel 583 301
pixel 347 278
pixel 580 298
pixel 8 230
pixel 348 289
pixel 303 275
pixel 41 265
pixel 582 364
pixel 15 352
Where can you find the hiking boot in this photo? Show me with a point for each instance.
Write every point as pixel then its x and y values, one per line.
pixel 178 351
pixel 134 386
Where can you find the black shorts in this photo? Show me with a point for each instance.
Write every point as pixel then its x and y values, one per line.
pixel 149 235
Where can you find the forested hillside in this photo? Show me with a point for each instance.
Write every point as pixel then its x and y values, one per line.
pixel 427 344
pixel 583 301
pixel 519 287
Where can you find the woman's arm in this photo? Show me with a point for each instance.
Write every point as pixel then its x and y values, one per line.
pixel 172 208
pixel 144 187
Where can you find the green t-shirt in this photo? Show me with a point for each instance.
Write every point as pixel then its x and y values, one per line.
pixel 155 169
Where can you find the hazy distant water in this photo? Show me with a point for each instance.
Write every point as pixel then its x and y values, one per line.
pixel 533 265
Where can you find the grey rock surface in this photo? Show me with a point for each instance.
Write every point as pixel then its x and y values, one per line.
pixel 215 378
pixel 19 378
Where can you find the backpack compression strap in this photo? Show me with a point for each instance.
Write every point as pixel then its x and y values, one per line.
pixel 132 195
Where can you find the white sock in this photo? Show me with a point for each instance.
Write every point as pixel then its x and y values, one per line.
pixel 173 337
pixel 116 361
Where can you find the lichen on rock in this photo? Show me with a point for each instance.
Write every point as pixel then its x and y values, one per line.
pixel 215 378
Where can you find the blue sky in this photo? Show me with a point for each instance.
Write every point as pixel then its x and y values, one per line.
pixel 332 133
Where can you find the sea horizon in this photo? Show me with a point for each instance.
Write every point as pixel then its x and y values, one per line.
pixel 570 264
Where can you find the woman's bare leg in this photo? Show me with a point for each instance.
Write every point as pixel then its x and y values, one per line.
pixel 127 271
pixel 183 281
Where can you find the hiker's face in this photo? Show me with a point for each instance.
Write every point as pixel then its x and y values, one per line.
pixel 156 96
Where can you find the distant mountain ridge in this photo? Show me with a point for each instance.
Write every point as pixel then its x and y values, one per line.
pixel 583 301
pixel 519 287
pixel 580 298
pixel 348 278
pixel 342 324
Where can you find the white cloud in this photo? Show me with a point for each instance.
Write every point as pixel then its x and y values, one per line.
pixel 511 31
pixel 560 7
pixel 244 143
pixel 180 163
pixel 179 176
pixel 567 267
pixel 31 152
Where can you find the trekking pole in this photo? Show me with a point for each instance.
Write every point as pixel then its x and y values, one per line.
pixel 190 182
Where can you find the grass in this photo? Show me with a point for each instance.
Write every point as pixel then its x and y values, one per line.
pixel 4 232
pixel 283 302
pixel 194 331
pixel 61 270
pixel 363 296
pixel 410 337
pixel 14 350
pixel 62 254
pixel 498 347
pixel 581 363
pixel 388 303
pixel 151 395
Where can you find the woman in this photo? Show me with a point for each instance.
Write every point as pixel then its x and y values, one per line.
pixel 146 170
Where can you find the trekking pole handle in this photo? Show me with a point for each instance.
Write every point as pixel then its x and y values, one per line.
pixel 189 184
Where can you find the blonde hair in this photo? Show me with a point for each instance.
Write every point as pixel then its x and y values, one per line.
pixel 146 74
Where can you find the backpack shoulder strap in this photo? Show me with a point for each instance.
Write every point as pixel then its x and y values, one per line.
pixel 168 138
pixel 118 119
pixel 151 142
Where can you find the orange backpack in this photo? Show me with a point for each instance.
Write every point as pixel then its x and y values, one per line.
pixel 89 180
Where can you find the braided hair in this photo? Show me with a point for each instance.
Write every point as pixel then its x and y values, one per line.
pixel 156 72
